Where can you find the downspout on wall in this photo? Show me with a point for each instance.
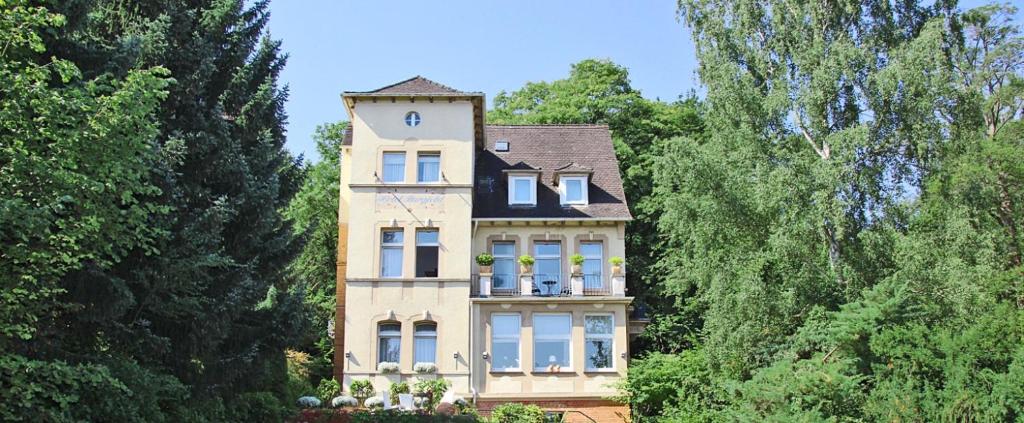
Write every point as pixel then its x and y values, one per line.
pixel 340 285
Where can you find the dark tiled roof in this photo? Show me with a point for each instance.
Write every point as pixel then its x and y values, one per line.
pixel 571 148
pixel 416 85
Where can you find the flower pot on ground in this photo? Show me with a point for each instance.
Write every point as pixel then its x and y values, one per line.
pixel 526 264
pixel 577 264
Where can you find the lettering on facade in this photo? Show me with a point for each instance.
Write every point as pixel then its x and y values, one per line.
pixel 430 200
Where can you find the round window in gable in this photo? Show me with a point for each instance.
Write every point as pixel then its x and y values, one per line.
pixel 412 119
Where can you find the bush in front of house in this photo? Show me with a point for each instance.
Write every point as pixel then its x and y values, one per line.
pixel 309 402
pixel 344 401
pixel 328 388
pixel 373 402
pixel 257 407
pixel 361 388
pixel 435 388
pixel 398 388
pixel 515 412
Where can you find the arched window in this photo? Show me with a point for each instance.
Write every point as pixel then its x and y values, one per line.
pixel 425 343
pixel 389 342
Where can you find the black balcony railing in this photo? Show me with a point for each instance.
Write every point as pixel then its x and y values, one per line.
pixel 544 285
pixel 551 285
pixel 504 285
pixel 595 284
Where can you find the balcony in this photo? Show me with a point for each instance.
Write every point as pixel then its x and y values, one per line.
pixel 546 285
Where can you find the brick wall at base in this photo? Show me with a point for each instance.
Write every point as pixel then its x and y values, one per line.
pixel 577 410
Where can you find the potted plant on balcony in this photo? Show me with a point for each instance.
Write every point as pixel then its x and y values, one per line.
pixel 526 264
pixel 577 263
pixel 485 261
pixel 616 263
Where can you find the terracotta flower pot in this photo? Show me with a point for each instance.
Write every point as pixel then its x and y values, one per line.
pixel 526 269
pixel 577 269
pixel 617 270
pixel 486 269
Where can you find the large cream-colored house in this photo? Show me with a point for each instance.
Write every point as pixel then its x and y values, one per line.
pixel 426 186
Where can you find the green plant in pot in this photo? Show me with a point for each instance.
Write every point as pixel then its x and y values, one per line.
pixel 577 263
pixel 616 263
pixel 485 261
pixel 361 389
pixel 526 264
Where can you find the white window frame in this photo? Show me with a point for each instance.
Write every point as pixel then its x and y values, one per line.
pixel 567 338
pixel 512 189
pixel 587 337
pixel 384 166
pixel 517 338
pixel 421 155
pixel 510 257
pixel 563 190
pixel 400 246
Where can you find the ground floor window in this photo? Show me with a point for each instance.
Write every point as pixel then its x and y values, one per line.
pixel 424 346
pixel 551 341
pixel 600 339
pixel 505 341
pixel 389 342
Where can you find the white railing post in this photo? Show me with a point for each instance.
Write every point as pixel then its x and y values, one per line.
pixel 485 284
pixel 577 284
pixel 526 284
pixel 619 285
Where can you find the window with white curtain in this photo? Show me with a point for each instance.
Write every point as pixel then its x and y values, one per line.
pixel 600 340
pixel 505 342
pixel 428 167
pixel 391 253
pixel 424 346
pixel 551 339
pixel 394 167
pixel 389 342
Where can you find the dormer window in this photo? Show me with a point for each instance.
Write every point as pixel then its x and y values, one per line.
pixel 522 190
pixel 573 190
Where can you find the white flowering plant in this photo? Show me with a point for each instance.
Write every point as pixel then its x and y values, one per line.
pixel 374 402
pixel 424 368
pixel 387 367
pixel 344 401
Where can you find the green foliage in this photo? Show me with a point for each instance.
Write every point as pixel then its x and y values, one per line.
pixel 328 389
pixel 484 259
pixel 846 228
pixel 398 388
pixel 435 388
pixel 390 416
pixel 361 389
pixel 526 260
pixel 576 259
pixel 261 407
pixel 314 211
pixel 616 261
pixel 75 160
pixel 515 412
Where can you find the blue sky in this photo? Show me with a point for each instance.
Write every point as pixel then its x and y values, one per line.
pixel 485 46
